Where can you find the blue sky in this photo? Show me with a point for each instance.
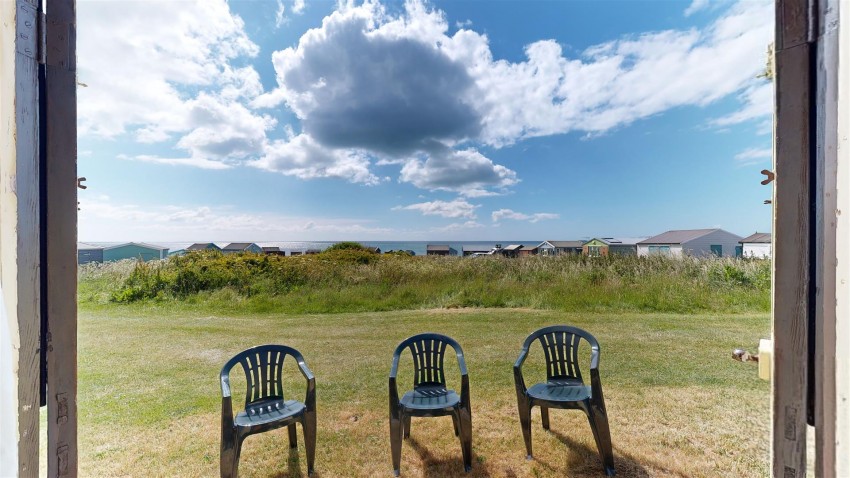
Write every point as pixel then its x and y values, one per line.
pixel 465 120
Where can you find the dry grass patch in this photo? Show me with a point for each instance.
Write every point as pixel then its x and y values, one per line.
pixel 679 406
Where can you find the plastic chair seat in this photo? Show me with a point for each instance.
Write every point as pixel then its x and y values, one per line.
pixel 267 411
pixel 430 397
pixel 560 391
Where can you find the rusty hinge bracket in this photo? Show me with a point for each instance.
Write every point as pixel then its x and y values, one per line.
pixel 770 177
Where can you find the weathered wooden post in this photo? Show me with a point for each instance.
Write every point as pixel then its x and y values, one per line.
pixel 38 231
pixel 59 235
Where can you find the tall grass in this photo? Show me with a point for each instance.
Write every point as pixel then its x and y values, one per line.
pixel 359 281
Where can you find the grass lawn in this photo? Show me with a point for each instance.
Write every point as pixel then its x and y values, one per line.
pixel 149 400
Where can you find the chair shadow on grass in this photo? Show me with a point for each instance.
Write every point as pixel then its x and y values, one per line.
pixel 293 466
pixel 584 460
pixel 452 467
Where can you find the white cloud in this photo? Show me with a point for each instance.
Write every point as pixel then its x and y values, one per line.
pixel 190 161
pixel 157 70
pixel 753 156
pixel 399 86
pixel 518 216
pixel 279 19
pixel 304 158
pixel 467 172
pixel 757 103
pixel 695 6
pixel 298 6
pixel 453 209
pixel 458 226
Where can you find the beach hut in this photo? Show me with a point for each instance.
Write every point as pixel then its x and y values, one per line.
pixel 203 246
pixel 691 242
pixel 440 250
pixel 242 247
pixel 757 245
pixel 134 250
pixel 89 253
pixel 558 248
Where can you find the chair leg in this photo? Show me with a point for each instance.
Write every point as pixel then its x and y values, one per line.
pixel 309 427
pixel 602 434
pixel 544 415
pixel 406 426
pixel 293 436
pixel 229 459
pixel 232 470
pixel 456 422
pixel 465 416
pixel 395 442
pixel 525 424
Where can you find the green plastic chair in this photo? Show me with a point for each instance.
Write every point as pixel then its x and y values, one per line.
pixel 265 406
pixel 429 397
pixel 564 387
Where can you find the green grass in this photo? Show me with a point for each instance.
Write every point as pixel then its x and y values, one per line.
pixel 149 400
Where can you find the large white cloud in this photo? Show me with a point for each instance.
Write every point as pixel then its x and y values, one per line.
pixel 401 85
pixel 467 172
pixel 304 158
pixel 169 71
pixel 372 86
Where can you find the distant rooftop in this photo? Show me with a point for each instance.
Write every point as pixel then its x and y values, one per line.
pixel 678 236
pixel 759 237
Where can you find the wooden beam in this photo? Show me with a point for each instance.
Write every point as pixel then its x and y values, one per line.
pixel 19 233
pixel 791 231
pixel 60 163
pixel 841 375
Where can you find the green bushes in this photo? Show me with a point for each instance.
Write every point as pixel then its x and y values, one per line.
pixel 354 279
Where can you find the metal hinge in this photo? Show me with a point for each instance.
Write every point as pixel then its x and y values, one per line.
pixel 27 30
pixel 53 42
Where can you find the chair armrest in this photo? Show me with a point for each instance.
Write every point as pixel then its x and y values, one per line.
pixel 523 354
pixel 594 357
pixel 461 362
pixel 305 370
pixel 225 385
pixel 518 378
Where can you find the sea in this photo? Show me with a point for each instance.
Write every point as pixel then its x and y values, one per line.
pixel 418 247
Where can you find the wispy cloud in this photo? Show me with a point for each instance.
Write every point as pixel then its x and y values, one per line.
pixel 279 18
pixel 453 209
pixel 695 6
pixel 518 216
pixel 753 156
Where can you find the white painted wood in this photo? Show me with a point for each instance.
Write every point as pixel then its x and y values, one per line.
pixel 8 398
pixel 19 230
pixel 842 283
